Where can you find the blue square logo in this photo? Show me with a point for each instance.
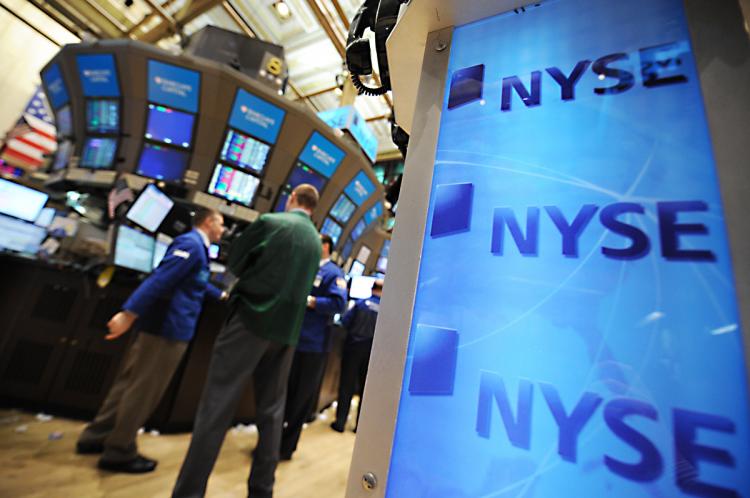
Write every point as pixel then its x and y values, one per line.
pixel 466 86
pixel 452 211
pixel 433 370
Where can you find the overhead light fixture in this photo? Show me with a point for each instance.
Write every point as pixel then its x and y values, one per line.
pixel 282 10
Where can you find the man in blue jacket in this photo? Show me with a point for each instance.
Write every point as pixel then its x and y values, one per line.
pixel 165 308
pixel 359 323
pixel 327 297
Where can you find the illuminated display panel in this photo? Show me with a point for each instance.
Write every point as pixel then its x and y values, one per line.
pixel 169 126
pixel 64 121
pixel 300 174
pixel 134 250
pixel 343 209
pixel 102 116
pixel 162 163
pixel 244 151
pixel 20 201
pixel 98 152
pixel 332 229
pixel 150 208
pixel 233 185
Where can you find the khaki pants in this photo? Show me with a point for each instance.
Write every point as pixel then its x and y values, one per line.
pixel 147 369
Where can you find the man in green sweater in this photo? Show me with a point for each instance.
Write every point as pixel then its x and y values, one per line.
pixel 275 261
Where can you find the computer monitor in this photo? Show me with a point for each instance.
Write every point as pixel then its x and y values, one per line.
pixel 64 121
pixel 358 229
pixel 150 208
pixel 169 126
pixel 160 249
pixel 343 209
pixel 244 151
pixel 361 287
pixel 233 184
pixel 45 217
pixel 20 201
pixel 332 229
pixel 347 250
pixel 98 152
pixel 62 156
pixel 357 269
pixel 299 175
pixel 102 116
pixel 134 249
pixel 382 264
pixel 162 163
pixel 213 251
pixel 19 236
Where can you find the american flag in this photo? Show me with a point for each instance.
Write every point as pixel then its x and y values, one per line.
pixel 33 136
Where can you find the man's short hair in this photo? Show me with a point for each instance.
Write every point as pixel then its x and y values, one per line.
pixel 202 214
pixel 378 285
pixel 327 239
pixel 307 196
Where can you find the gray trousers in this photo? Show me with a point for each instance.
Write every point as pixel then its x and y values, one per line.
pixel 147 369
pixel 238 354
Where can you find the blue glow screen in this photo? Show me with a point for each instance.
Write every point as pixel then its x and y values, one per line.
pixel 55 87
pixel 360 188
pixel 321 155
pixel 98 75
pixel 173 86
pixel 575 330
pixel 257 117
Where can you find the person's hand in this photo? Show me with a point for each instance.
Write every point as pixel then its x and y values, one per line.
pixel 119 324
pixel 224 296
pixel 311 302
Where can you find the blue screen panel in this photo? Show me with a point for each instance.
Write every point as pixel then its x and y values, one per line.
pixel 575 250
pixel 332 229
pixel 244 151
pixel 134 250
pixel 360 188
pixel 364 136
pixel 347 250
pixel 98 75
pixel 20 201
pixel 233 185
pixel 19 236
pixel 299 175
pixel 103 116
pixel 169 126
pixel 173 86
pixel 321 155
pixel 343 209
pixel 98 153
pixel 162 163
pixel 64 121
pixel 373 213
pixel 54 84
pixel 358 229
pixel 255 116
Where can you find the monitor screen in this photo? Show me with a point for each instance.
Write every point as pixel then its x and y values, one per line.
pixel 358 229
pixel 169 126
pixel 357 269
pixel 102 116
pixel 64 121
pixel 213 251
pixel 382 264
pixel 361 287
pixel 45 217
pixel 347 248
pixel 98 153
pixel 360 188
pixel 19 236
pixel 162 163
pixel 244 151
pixel 21 202
pixel 332 229
pixel 299 175
pixel 322 155
pixel 134 250
pixel 343 209
pixel 150 208
pixel 160 249
pixel 62 156
pixel 233 185
pixel 174 86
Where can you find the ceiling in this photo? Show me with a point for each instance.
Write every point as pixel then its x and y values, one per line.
pixel 313 36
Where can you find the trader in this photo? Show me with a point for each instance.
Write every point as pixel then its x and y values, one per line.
pixel 165 309
pixel 327 298
pixel 275 261
pixel 359 323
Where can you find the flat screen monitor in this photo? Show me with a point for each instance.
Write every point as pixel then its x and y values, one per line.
pixel 347 250
pixel 20 201
pixel 233 185
pixel 162 163
pixel 169 126
pixel 357 269
pixel 213 251
pixel 134 249
pixel 244 151
pixel 64 121
pixel 19 236
pixel 160 249
pixel 98 152
pixel 62 156
pixel 150 208
pixel 361 287
pixel 358 229
pixel 45 217
pixel 299 175
pixel 343 209
pixel 103 116
pixel 332 229
pixel 382 264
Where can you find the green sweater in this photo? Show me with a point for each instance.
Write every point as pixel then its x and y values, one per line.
pixel 276 260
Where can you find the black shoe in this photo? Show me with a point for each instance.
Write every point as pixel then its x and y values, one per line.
pixel 337 427
pixel 89 448
pixel 285 457
pixel 139 465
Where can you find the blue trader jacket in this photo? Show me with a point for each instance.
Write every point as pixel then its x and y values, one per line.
pixel 329 290
pixel 359 321
pixel 169 301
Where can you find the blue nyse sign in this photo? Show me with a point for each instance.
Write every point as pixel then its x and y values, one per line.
pixel 256 116
pixel 173 86
pixel 98 75
pixel 575 330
